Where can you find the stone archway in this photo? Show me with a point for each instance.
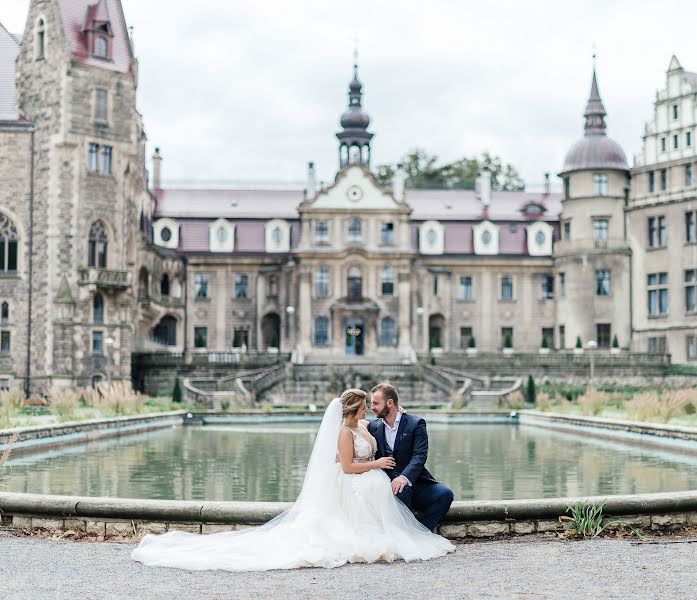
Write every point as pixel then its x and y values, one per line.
pixel 436 331
pixel 271 331
pixel 165 332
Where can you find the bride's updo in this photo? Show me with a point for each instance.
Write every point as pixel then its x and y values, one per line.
pixel 351 401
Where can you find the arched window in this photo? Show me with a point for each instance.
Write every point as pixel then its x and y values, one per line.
pixel 355 283
pixel 96 253
pixel 388 333
pixel 101 47
pixel 354 230
pixel 98 308
pixel 143 283
pixel 4 312
pixel 8 245
pixel 164 285
pixel 321 331
pixel 40 39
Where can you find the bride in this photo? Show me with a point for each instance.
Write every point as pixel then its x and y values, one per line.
pixel 345 513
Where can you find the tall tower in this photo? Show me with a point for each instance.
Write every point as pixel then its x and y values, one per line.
pixel 592 257
pixel 354 138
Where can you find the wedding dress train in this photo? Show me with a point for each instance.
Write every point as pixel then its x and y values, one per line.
pixel 338 518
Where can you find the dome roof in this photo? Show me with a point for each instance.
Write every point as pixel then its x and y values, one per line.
pixel 354 117
pixel 595 152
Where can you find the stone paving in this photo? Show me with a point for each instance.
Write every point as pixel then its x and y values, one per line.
pixel 529 567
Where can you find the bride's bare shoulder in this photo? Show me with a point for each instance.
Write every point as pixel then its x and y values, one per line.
pixel 364 422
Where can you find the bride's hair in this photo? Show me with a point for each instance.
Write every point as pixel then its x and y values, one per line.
pixel 351 401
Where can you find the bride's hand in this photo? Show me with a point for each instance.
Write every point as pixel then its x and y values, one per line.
pixel 386 462
pixel 401 410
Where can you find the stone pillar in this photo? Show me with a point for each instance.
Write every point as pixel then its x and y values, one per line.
pixel 305 311
pixel 404 323
pixel 221 310
pixel 259 299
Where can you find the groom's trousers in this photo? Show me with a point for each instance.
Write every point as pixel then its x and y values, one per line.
pixel 432 501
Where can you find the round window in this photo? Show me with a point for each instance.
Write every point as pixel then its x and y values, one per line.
pixel 166 234
pixel 277 236
pixel 431 237
pixel 221 234
pixel 540 238
pixel 486 237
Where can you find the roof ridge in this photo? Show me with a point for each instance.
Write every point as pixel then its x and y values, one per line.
pixel 12 36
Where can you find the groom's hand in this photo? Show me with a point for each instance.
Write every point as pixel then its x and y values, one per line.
pixel 398 484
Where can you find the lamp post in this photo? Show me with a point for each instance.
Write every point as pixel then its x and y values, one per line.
pixel 592 345
pixel 109 343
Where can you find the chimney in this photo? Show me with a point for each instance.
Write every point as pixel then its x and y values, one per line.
pixel 547 184
pixel 311 190
pixel 483 187
pixel 156 169
pixel 398 179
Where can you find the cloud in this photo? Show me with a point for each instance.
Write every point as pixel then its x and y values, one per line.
pixel 254 90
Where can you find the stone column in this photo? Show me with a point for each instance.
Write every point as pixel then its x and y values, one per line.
pixel 221 309
pixel 259 299
pixel 305 311
pixel 404 323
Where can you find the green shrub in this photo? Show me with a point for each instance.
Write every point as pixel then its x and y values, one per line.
pixel 177 392
pixel 578 342
pixel 530 391
pixel 507 342
pixel 615 342
pixel 544 343
pixel 471 343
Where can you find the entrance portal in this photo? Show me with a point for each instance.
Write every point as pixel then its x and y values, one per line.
pixel 354 338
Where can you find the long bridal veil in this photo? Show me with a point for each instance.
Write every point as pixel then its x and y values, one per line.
pixel 337 518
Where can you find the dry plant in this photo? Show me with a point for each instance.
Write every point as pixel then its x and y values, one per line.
pixel 10 404
pixel 674 402
pixel 515 400
pixel 644 406
pixel 592 402
pixel 8 448
pixel 543 402
pixel 63 402
pixel 119 398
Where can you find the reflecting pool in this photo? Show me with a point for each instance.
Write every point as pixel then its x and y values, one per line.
pixel 267 462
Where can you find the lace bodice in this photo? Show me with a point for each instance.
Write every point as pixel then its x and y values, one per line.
pixel 363 451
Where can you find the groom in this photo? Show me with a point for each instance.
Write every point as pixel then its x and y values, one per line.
pixel 403 436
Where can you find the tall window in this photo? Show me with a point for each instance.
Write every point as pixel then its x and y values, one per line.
pixel 8 246
pixel 388 332
pixel 435 284
pixel 387 234
pixel 97 246
pixel 691 347
pixel 321 232
pixel 562 284
pixel 465 288
pixel 387 281
pixel 652 181
pixel 602 283
pixel 322 282
pixel 547 287
pixel 240 338
pixel 241 286
pixel 200 337
pixel 663 144
pixel 4 341
pixel 688 176
pixel 657 345
pixel 674 110
pixel 675 141
pixel 600 230
pixel 690 232
pixel 567 231
pixel 664 179
pixel 506 287
pixel 688 138
pixel 562 336
pixel 507 337
pixel 567 188
pixel 200 286
pixel 100 105
pixel 603 338
pixel 690 290
pixel 40 39
pixel 4 312
pixel 98 343
pixel 321 331
pixel 657 232
pixel 465 337
pixel 99 159
pixel 600 184
pixel 101 47
pixel 98 308
pixel 164 285
pixel 355 283
pixel 658 294
pixel 355 233
pixel 548 337
pixel 105 160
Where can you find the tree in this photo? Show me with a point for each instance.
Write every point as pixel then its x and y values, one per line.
pixel 424 171
pixel 615 342
pixel 177 392
pixel 530 391
pixel 578 342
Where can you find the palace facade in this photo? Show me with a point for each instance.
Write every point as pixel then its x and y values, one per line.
pixel 98 265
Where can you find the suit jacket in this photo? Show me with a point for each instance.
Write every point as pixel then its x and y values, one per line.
pixel 410 448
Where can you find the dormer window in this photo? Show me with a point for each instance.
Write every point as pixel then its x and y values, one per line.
pixel 101 47
pixel 97 30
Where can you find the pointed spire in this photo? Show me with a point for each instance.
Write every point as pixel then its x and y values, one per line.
pixel 674 64
pixel 354 138
pixel 595 111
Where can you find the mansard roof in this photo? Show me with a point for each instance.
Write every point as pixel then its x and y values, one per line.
pixel 76 12
pixel 9 49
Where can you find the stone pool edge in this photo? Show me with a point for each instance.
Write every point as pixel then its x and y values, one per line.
pixel 133 517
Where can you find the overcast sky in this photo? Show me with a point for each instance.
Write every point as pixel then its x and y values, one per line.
pixel 253 90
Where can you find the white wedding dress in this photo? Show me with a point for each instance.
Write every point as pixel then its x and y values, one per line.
pixel 338 518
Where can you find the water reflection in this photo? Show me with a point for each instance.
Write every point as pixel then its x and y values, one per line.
pixel 267 462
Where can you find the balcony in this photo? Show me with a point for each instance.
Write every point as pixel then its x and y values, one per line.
pixel 105 278
pixel 590 246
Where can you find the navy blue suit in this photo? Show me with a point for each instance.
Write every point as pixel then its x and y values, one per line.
pixel 430 498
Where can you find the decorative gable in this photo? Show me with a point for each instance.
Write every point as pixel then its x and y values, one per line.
pixel 431 238
pixel 485 236
pixel 277 235
pixel 98 31
pixel 221 236
pixel 166 233
pixel 355 189
pixel 539 239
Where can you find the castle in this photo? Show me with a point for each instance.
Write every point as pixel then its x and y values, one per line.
pixel 97 264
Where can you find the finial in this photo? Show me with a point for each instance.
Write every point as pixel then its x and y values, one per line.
pixel 595 54
pixel 355 54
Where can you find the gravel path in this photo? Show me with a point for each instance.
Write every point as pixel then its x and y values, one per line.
pixel 529 567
